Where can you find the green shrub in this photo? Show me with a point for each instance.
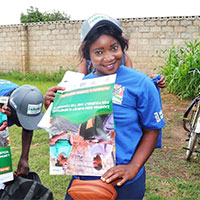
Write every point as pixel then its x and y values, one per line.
pixel 180 80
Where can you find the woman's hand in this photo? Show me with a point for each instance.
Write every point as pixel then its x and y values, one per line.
pixel 161 83
pixel 123 173
pixel 50 95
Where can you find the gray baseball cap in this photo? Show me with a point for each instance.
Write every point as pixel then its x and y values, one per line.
pixel 27 101
pixel 97 21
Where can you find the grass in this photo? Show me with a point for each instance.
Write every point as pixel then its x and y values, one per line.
pixel 169 176
pixel 164 183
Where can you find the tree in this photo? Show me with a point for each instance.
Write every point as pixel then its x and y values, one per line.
pixel 34 15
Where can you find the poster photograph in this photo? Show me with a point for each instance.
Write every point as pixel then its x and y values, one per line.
pixel 81 132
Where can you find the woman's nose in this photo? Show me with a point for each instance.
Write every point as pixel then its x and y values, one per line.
pixel 108 57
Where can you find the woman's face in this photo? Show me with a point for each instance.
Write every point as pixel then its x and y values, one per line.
pixel 106 55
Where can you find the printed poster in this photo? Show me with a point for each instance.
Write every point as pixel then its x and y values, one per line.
pixel 82 137
pixel 6 173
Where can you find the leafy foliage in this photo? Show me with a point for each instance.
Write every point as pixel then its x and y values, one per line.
pixel 180 80
pixel 34 15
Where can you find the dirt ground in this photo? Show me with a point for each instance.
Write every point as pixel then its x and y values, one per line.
pixel 171 158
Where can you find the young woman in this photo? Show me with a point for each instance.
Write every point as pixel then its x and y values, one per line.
pixel 138 115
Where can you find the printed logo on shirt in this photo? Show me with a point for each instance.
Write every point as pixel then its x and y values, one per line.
pixel 158 116
pixel 118 93
pixel 161 114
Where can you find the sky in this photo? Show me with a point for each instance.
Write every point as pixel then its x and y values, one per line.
pixel 10 10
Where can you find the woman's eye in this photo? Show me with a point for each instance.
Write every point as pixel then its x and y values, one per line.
pixel 98 52
pixel 114 48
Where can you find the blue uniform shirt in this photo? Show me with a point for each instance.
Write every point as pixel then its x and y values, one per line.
pixel 136 105
pixel 6 87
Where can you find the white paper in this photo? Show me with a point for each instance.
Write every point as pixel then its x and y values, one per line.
pixel 69 78
pixel 45 121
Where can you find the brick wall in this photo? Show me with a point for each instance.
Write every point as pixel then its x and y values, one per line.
pixel 50 45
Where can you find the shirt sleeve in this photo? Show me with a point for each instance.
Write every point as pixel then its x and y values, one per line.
pixel 149 106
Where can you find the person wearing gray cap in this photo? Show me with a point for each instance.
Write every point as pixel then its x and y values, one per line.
pixel 24 109
pixel 137 111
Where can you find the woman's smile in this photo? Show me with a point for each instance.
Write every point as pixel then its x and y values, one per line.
pixel 110 66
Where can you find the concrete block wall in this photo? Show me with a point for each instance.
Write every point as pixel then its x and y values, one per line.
pixel 13 48
pixel 147 35
pixel 47 46
pixel 52 45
